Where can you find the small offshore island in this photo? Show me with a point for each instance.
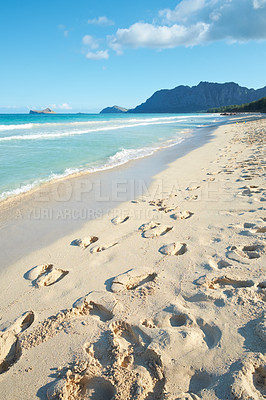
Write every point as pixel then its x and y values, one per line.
pixel 45 111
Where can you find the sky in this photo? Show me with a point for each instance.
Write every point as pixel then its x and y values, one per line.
pixel 84 55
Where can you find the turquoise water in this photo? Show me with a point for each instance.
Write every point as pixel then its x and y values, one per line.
pixel 38 148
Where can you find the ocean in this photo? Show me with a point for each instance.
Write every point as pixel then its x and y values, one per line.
pixel 39 148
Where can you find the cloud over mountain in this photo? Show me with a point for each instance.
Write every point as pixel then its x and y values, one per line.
pixel 194 22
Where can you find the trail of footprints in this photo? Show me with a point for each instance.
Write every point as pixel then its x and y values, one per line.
pixel 130 366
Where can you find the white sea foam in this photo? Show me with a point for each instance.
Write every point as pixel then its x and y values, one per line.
pixel 52 135
pixel 88 123
pixel 14 127
pixel 19 190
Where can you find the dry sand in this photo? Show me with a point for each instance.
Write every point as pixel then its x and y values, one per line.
pixel 164 299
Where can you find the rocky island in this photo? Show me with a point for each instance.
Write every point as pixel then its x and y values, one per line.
pixel 113 109
pixel 46 111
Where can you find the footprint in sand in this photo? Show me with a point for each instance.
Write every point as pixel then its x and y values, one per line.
pixel 187 325
pixel 85 242
pixel 253 228
pixel 212 333
pixel 246 177
pixel 199 381
pixel 224 281
pixel 250 251
pixel 248 190
pixel 182 215
pixel 45 275
pixel 194 197
pixel 161 206
pixel 167 209
pixel 149 225
pixel 119 220
pixel 173 249
pixel 124 338
pixel 22 323
pixel 177 320
pixel 84 386
pixel 217 263
pixel 254 188
pixel 131 348
pixel 133 279
pixel 214 173
pixel 159 230
pixel 170 317
pixel 193 187
pixel 10 349
pixel 99 249
pixel 101 304
pixel 249 381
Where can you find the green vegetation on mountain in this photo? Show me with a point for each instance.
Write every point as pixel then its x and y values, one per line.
pixel 254 106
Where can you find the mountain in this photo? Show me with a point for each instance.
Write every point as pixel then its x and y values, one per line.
pixel 254 106
pixel 114 109
pixel 200 98
pixel 46 111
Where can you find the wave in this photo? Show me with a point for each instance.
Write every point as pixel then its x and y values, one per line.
pixel 77 123
pixel 42 136
pixel 13 127
pixel 96 123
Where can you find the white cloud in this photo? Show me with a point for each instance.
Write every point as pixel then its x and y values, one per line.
pixel 148 35
pixel 53 106
pixel 183 10
pixel 98 55
pixel 93 44
pixel 194 22
pixel 259 3
pixel 88 40
pixel 102 21
pixel 64 106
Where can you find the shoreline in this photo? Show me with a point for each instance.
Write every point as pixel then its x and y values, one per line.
pixel 105 167
pixel 169 294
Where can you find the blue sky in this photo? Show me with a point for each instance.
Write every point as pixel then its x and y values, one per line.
pixel 84 55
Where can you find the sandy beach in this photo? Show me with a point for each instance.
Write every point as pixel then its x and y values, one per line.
pixel 160 297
